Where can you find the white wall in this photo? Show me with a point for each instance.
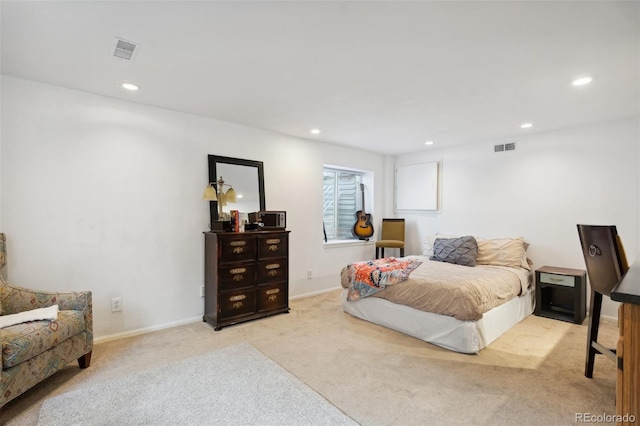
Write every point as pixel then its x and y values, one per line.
pixel 540 191
pixel 105 195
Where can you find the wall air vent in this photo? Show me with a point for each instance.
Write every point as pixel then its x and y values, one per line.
pixel 510 146
pixel 498 148
pixel 124 49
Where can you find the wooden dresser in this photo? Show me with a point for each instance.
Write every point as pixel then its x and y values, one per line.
pixel 246 276
pixel 628 351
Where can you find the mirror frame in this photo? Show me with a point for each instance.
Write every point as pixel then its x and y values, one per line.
pixel 213 177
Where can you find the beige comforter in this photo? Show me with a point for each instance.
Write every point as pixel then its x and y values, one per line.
pixel 459 291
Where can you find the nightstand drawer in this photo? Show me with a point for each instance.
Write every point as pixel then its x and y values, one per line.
pixel 564 280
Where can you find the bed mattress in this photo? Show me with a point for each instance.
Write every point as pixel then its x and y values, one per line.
pixel 462 292
pixel 442 330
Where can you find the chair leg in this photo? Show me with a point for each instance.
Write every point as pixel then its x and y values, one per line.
pixel 592 333
pixel 381 251
pixel 402 252
pixel 85 360
pixel 377 252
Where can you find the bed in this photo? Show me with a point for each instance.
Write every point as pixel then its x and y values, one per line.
pixel 448 302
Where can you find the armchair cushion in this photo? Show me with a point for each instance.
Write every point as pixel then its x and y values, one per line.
pixel 24 341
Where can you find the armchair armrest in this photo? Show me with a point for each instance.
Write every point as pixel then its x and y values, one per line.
pixel 15 299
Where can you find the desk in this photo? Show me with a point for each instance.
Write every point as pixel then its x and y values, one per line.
pixel 627 291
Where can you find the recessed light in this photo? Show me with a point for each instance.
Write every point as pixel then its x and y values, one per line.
pixel 526 125
pixel 428 143
pixel 581 81
pixel 127 85
pixel 315 131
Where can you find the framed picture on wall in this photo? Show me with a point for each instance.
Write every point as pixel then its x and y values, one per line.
pixel 417 187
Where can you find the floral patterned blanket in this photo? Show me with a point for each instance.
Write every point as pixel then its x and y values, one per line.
pixel 371 276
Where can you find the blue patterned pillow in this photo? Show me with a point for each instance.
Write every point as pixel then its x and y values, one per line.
pixel 461 251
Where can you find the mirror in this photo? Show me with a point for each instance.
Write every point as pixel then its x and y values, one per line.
pixel 247 179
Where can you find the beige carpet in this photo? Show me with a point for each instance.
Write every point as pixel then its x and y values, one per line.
pixel 250 389
pixel 533 375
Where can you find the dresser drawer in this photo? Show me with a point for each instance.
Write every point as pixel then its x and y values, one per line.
pixel 273 296
pixel 236 303
pixel 272 270
pixel 564 280
pixel 274 245
pixel 237 249
pixel 237 276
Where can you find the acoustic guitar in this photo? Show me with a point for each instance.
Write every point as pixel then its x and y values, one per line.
pixel 362 229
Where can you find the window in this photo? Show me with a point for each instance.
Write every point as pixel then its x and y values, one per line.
pixel 340 201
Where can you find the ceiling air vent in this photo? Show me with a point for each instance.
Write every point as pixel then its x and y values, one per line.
pixel 510 146
pixel 124 49
pixel 498 148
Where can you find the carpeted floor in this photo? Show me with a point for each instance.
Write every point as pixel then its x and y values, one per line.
pixel 248 388
pixel 533 375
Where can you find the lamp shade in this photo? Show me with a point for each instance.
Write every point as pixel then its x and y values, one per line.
pixel 230 195
pixel 210 193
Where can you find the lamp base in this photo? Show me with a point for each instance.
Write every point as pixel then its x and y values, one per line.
pixel 221 226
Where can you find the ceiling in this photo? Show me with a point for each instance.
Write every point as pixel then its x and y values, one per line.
pixel 385 76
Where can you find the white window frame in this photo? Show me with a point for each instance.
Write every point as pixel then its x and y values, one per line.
pixel 366 178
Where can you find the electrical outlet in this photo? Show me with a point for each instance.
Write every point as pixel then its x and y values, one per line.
pixel 116 304
pixel 201 291
pixel 309 274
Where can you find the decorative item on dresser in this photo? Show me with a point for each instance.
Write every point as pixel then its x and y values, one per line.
pixel 217 193
pixel 246 276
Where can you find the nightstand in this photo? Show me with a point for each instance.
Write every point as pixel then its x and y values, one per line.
pixel 561 293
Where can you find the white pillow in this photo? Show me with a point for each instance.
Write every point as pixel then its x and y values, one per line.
pixel 427 246
pixel 50 313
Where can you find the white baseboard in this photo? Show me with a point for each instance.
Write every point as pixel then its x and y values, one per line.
pixel 315 293
pixel 138 331
pixel 145 330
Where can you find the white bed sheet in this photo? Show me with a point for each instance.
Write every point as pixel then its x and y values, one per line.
pixel 445 331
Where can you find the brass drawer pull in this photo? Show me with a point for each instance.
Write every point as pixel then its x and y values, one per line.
pixel 236 305
pixel 238 277
pixel 272 294
pixel 238 250
pixel 272 269
pixel 273 247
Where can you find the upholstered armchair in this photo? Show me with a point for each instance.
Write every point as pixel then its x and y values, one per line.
pixel 34 350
